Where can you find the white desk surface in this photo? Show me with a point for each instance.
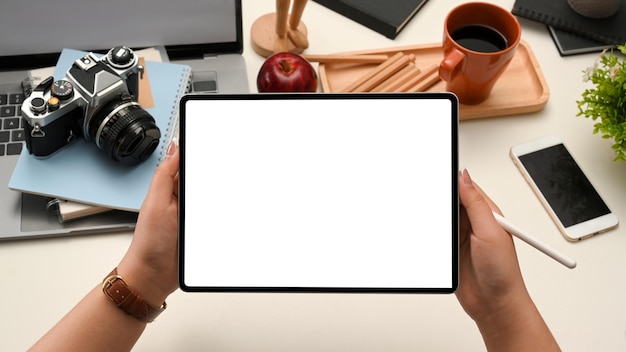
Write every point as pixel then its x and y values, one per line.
pixel 585 307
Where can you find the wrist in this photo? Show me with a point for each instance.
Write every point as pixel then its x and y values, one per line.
pixel 125 297
pixel 513 311
pixel 518 326
pixel 145 281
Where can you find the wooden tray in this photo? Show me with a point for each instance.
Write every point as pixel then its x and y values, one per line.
pixel 521 88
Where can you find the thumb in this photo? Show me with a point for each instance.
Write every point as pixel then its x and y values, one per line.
pixel 478 205
pixel 162 184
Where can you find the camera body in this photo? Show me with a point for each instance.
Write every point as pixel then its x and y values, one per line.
pixel 95 100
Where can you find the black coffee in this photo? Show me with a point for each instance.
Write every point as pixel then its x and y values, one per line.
pixel 478 37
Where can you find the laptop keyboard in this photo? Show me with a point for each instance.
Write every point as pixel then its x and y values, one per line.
pixel 11 125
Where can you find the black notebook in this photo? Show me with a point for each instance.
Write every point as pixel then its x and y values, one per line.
pixel 572 44
pixel 385 17
pixel 610 30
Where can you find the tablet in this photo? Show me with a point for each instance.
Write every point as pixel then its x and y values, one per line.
pixel 319 193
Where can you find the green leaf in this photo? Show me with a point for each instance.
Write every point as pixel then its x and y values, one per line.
pixel 606 102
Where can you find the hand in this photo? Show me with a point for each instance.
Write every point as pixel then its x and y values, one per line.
pixel 491 288
pixel 151 263
pixel 150 266
pixel 490 276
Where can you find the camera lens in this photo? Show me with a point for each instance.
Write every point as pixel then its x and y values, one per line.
pixel 124 130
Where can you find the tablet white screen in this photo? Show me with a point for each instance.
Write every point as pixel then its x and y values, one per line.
pixel 319 193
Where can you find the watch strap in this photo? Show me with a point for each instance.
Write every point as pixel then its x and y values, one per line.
pixel 129 300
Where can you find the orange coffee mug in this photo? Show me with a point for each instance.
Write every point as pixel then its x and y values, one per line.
pixel 479 41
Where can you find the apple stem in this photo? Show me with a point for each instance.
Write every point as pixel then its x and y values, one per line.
pixel 285 66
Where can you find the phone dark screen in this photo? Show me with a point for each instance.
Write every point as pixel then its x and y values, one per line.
pixel 564 185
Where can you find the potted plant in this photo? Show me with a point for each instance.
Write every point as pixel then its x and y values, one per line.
pixel 606 102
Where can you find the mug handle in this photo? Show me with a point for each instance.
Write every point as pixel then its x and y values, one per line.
pixel 450 64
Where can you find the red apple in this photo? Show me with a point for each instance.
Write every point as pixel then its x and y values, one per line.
pixel 286 72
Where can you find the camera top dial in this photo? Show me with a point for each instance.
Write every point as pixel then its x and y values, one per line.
pixel 121 57
pixel 62 89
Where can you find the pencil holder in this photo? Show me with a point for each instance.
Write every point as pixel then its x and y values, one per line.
pixel 595 8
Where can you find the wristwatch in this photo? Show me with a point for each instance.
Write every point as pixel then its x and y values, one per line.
pixel 129 300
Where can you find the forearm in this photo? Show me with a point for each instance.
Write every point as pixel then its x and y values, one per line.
pixel 519 327
pixel 148 272
pixel 94 324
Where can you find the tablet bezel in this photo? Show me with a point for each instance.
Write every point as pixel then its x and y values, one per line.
pixel 280 96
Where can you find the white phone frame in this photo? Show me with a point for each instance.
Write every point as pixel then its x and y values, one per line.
pixel 575 232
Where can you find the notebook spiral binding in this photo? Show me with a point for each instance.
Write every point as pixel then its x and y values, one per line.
pixel 171 132
pixel 561 16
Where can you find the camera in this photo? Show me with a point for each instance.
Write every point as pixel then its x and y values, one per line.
pixel 97 100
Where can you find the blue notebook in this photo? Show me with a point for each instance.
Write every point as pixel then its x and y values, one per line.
pixel 81 172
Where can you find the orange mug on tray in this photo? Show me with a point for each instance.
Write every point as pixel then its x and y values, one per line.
pixel 480 39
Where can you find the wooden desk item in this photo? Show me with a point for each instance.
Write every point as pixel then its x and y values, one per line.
pixel 381 73
pixel 280 31
pixel 521 89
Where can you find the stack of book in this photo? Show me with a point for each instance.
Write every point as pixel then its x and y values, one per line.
pixel 574 33
pixel 80 180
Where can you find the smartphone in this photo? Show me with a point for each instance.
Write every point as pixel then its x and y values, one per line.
pixel 563 188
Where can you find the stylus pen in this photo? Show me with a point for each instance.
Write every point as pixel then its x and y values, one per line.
pixel 517 232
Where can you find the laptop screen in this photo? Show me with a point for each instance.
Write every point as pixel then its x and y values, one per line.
pixel 319 192
pixel 34 33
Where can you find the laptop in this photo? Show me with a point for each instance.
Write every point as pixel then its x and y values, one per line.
pixel 348 193
pixel 206 35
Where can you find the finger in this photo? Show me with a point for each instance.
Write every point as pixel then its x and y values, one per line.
pixel 175 185
pixel 489 201
pixel 171 162
pixel 478 206
pixel 464 227
pixel 162 185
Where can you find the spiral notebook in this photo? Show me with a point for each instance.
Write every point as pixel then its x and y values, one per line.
pixel 571 44
pixel 560 15
pixel 81 172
